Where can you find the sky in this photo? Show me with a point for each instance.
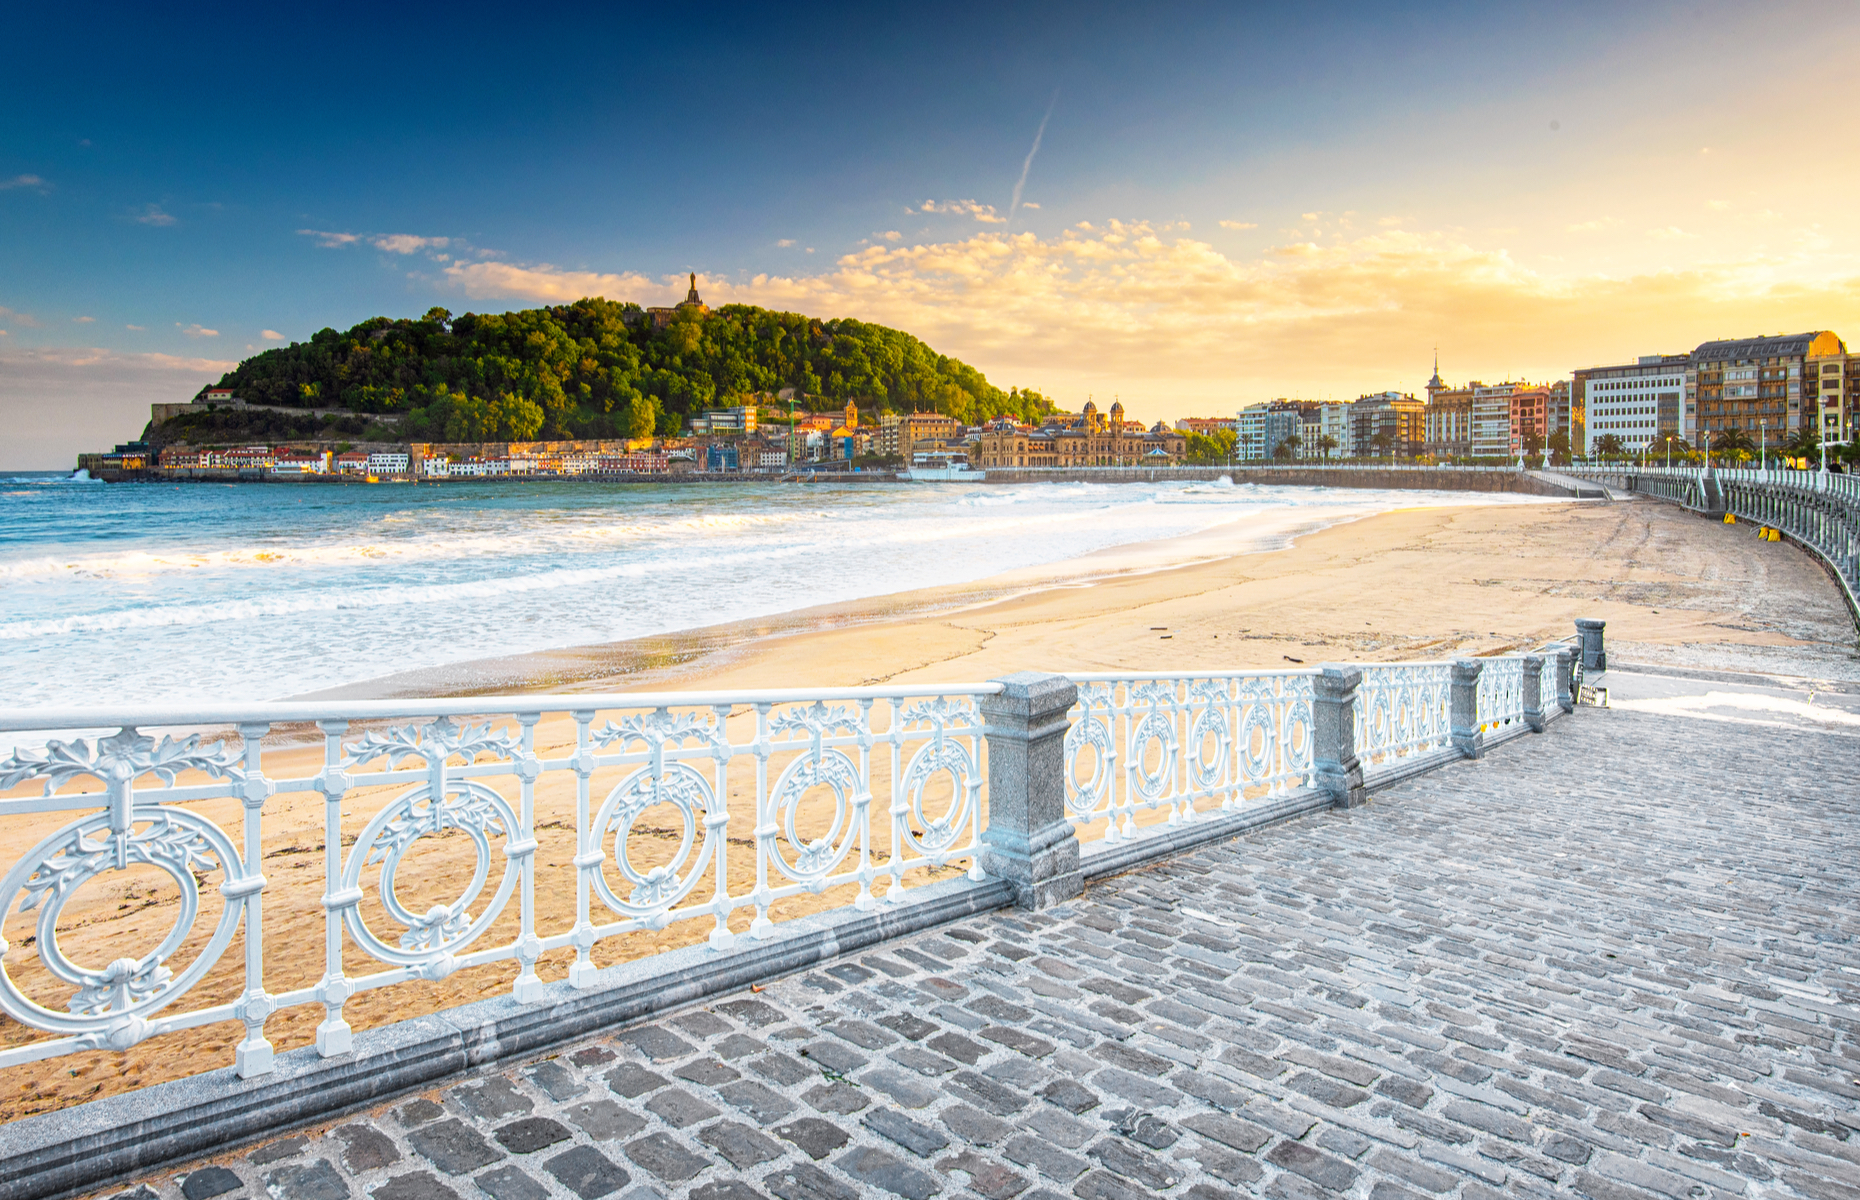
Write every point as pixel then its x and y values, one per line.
pixel 1187 207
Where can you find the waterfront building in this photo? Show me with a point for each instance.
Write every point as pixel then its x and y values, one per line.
pixel 1263 428
pixel 1205 426
pixel 1757 384
pixel 352 462
pixel 388 462
pixel 1491 420
pixel 1828 387
pixel 1529 417
pixel 1448 421
pixel 1388 423
pixel 299 463
pixel 740 418
pixel 899 433
pixel 1085 439
pixel 1333 422
pixel 1640 404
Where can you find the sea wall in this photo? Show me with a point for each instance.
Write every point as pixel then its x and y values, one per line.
pixel 1448 479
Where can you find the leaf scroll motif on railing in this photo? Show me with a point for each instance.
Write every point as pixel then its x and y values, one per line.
pixel 433 743
pixel 429 939
pixel 124 756
pixel 660 729
pixel 110 1005
pixel 1208 703
pixel 810 860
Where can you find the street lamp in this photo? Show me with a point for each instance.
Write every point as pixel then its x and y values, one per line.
pixel 1669 451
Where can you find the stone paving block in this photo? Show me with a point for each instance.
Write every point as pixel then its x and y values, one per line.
pixel 510 1183
pixel 742 1146
pixel 805 1181
pixel 364 1148
pixel 414 1185
pixel 603 1120
pixel 454 1147
pixel 907 1090
pixel 837 1097
pixel 492 1098
pixel 655 1042
pixel 661 1154
pixel 815 1137
pixel 725 1189
pixel 679 1108
pixel 919 1139
pixel 530 1134
pixel 632 1080
pixel 587 1172
pixel 555 1080
pixel 1135 1163
pixel 209 1182
pixel 986 1178
pixel 310 1181
pixel 1042 1156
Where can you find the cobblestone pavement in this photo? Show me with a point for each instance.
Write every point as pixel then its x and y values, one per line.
pixel 1615 960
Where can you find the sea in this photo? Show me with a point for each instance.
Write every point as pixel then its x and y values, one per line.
pixel 123 594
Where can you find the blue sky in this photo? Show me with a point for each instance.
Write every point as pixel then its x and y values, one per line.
pixel 1228 203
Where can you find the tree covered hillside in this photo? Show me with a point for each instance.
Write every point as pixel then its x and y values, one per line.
pixel 596 368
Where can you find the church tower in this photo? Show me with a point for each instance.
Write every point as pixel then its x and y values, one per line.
pixel 1436 385
pixel 1117 415
pixel 852 414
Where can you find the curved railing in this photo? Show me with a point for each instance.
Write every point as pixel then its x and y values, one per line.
pixel 1818 510
pixel 305 859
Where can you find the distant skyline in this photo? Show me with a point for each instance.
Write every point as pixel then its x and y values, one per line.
pixel 1224 203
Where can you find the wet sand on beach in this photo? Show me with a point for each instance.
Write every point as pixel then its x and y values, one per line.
pixel 1418 583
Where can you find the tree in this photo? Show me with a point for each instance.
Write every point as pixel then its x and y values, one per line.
pixel 1805 442
pixel 1287 448
pixel 1559 447
pixel 1383 443
pixel 1325 444
pixel 1608 444
pixel 1733 439
pixel 1533 443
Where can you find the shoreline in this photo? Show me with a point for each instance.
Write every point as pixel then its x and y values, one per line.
pixel 670 655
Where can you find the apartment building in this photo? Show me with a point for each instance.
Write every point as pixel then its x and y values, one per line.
pixel 1828 389
pixel 1759 383
pixel 1491 420
pixel 1388 424
pixel 1530 419
pixel 1641 403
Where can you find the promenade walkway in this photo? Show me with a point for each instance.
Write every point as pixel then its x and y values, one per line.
pixel 1615 960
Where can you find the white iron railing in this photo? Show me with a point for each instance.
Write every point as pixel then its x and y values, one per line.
pixel 383 844
pixel 1187 744
pixel 428 841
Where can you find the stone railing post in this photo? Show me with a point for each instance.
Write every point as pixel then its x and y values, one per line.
pixel 1565 670
pixel 1468 731
pixel 1594 652
pixel 1333 735
pixel 1534 692
pixel 1028 841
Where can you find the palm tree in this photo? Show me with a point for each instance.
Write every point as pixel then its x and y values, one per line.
pixel 1325 444
pixel 1731 439
pixel 1383 443
pixel 1287 448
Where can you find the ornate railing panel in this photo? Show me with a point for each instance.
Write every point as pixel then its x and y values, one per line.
pixel 1184 745
pixel 694 809
pixel 1403 709
pixel 1501 691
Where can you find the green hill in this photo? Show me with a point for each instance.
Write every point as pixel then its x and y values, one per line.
pixel 596 368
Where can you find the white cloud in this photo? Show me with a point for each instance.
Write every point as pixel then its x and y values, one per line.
pixel 153 215
pixel 4 333
pixel 24 181
pixel 137 328
pixel 1595 226
pixel 1239 225
pixel 1717 205
pixel 328 239
pixel 985 213
pixel 544 282
pixel 892 235
pixel 83 320
pixel 405 243
pixel 99 397
pixel 271 335
pixel 26 320
pixel 1670 233
pixel 197 331
pixel 785 243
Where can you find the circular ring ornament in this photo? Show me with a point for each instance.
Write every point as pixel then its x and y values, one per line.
pixel 938 755
pixel 658 888
pixel 111 1006
pixel 812 861
pixel 1157 728
pixel 1088 731
pixel 434 937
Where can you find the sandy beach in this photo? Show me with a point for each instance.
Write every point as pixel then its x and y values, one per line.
pixel 1418 583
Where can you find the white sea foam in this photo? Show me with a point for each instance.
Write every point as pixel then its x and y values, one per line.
pixel 156 592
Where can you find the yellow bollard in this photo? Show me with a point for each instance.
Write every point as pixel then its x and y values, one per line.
pixel 1730 518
